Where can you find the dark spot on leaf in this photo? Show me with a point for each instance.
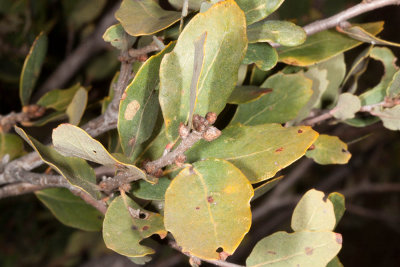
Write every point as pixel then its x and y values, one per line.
pixel 344 150
pixel 219 250
pixel 279 149
pixel 210 199
pixel 300 131
pixel 116 40
pixel 134 228
pixel 143 215
pixel 339 238
pixel 94 151
pixel 100 217
pixel 145 228
pixel 312 147
pixel 309 251
pixel 271 252
pixel 197 208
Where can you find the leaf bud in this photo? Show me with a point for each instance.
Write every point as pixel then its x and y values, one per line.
pixel 211 134
pixel 211 117
pixel 183 130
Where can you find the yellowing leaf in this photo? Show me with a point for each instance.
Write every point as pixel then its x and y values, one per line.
pixel 259 151
pixel 144 17
pixel 323 45
pixel 313 213
pixel 290 92
pixel 72 141
pixel 126 224
pixel 348 105
pixel 140 106
pixel 32 67
pixel 70 209
pixel 207 208
pixel 276 31
pixel 262 54
pixel 390 117
pixel 225 46
pixel 75 170
pixel 329 150
pixel 297 249
pixel 77 106
pixel 59 99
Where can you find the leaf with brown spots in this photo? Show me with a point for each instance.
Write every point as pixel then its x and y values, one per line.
pixel 329 150
pixel 259 151
pixel 207 208
pixel 123 232
pixel 305 248
pixel 139 109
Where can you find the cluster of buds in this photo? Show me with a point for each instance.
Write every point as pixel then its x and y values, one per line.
pixel 33 111
pixel 202 125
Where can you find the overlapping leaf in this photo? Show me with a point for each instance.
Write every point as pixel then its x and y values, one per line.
pixel 390 117
pixel 258 151
pixel 144 17
pixel 59 99
pixel 149 191
pixel 117 37
pixel 70 209
pixel 323 45
pixel 77 106
pixel 290 92
pixel 348 105
pixel 75 170
pixel 265 187
pixel 257 10
pixel 262 54
pixel 329 150
pixel 32 67
pixel 216 215
pixel 11 145
pixel 126 224
pixel 337 200
pixel 140 106
pixel 246 94
pixel 225 45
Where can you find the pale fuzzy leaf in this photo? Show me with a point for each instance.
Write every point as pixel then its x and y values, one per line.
pixel 144 17
pixel 329 150
pixel 348 105
pixel 297 249
pixel 225 47
pixel 122 231
pixel 290 92
pixel 276 31
pixel 313 213
pixel 259 151
pixel 77 106
pixel 390 117
pixel 393 89
pixel 116 36
pixel 323 46
pixel 217 214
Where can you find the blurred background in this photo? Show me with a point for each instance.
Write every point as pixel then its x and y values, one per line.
pixel 31 236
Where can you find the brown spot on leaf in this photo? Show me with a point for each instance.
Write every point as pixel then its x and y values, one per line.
pixel 210 199
pixel 131 110
pixel 271 252
pixel 344 150
pixel 300 131
pixel 94 151
pixel 145 228
pixel 134 228
pixel 312 147
pixel 309 251
pixel 279 149
pixel 197 208
pixel 339 238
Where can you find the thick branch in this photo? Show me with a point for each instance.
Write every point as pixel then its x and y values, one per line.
pixel 363 7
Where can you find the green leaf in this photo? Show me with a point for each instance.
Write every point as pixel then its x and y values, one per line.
pixel 247 93
pixel 145 17
pixel 262 54
pixel 335 262
pixel 149 191
pixel 193 4
pixel 116 36
pixel 378 93
pixel 390 117
pixel 358 67
pixel 258 76
pixel 72 141
pixel 80 12
pixel 59 99
pixel 257 10
pixel 337 200
pixel 313 213
pixel 32 67
pixel 348 105
pixel 140 106
pixel 276 31
pixel 70 209
pixel 393 89
pixel 12 145
pixel 217 213
pixel 265 187
pixel 246 146
pixel 329 150
pixel 77 106
pixel 290 92
pixel 126 224
pixel 224 49
pixel 358 33
pixel 75 170
pixel 323 45
pixel 297 249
